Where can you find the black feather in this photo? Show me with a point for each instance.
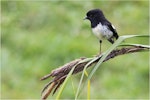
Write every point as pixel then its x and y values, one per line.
pixel 115 34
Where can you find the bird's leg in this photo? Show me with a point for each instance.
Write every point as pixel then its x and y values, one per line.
pixel 100 41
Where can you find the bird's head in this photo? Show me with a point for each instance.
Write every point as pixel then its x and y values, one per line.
pixel 94 14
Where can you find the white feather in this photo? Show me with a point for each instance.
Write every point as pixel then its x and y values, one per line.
pixel 113 26
pixel 102 31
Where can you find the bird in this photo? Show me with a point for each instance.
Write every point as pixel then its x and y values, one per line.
pixel 101 27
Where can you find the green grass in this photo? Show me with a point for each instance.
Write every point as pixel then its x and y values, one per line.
pixel 38 37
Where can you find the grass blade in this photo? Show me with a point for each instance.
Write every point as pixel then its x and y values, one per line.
pixel 63 85
pixel 88 86
pixel 81 79
pixel 145 46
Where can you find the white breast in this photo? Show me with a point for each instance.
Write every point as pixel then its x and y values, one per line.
pixel 102 31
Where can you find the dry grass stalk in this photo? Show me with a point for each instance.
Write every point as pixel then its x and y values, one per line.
pixel 61 73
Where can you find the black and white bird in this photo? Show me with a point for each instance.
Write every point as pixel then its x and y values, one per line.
pixel 101 27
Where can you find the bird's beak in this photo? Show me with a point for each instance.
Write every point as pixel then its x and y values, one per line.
pixel 85 18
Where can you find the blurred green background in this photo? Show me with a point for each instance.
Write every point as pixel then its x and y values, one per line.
pixel 38 37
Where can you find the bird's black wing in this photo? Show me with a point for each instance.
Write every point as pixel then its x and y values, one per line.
pixel 112 28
